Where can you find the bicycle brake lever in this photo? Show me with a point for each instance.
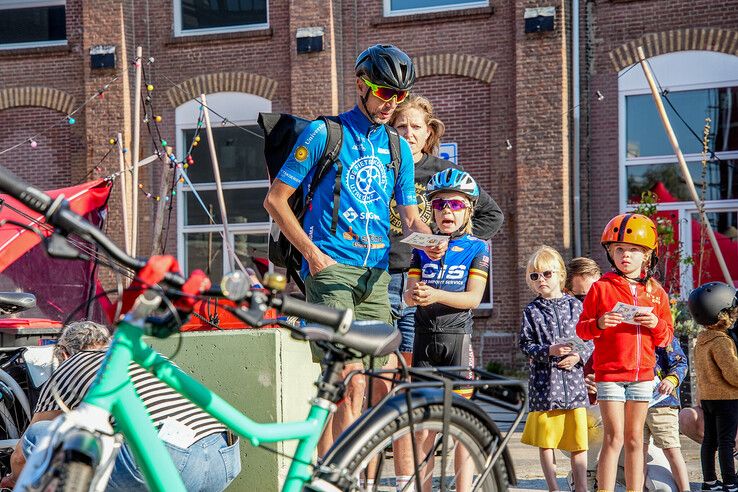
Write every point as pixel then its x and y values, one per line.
pixel 58 247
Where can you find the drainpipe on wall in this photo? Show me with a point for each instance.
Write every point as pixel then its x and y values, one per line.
pixel 576 164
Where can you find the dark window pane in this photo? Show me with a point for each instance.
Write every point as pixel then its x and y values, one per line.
pixel 33 25
pixel 242 206
pixel 240 155
pixel 251 249
pixel 424 4
pixel 721 181
pixel 645 135
pixel 706 267
pixel 204 14
pixel 205 251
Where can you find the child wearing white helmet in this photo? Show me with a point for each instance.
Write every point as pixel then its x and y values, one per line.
pixel 446 290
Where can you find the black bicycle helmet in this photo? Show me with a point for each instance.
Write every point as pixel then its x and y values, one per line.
pixel 387 65
pixel 708 300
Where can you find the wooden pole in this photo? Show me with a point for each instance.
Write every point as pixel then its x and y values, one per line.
pixel 161 206
pixel 124 193
pixel 683 166
pixel 135 150
pixel 218 185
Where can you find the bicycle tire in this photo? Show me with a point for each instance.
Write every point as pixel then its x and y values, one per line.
pixel 75 476
pixel 464 427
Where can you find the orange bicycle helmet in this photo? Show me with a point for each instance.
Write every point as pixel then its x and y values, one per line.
pixel 632 229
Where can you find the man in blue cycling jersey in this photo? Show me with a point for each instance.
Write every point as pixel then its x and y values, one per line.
pixel 347 267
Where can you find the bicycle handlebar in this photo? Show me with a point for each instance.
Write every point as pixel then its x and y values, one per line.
pixel 59 215
pixel 323 315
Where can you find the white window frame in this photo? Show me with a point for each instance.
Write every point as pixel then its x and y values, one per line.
pixel 179 32
pixel 29 4
pixel 388 12
pixel 241 109
pixel 680 71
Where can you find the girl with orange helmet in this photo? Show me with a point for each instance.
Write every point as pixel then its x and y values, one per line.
pixel 624 349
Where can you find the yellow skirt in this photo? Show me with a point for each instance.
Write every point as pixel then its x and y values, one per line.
pixel 557 429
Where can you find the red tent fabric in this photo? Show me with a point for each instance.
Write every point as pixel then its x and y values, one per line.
pixel 15 241
pixel 60 286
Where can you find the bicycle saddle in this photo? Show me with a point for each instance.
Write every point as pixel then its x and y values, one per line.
pixel 15 302
pixel 368 337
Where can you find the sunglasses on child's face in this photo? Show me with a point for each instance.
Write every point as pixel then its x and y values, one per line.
pixel 386 93
pixel 536 275
pixel 455 205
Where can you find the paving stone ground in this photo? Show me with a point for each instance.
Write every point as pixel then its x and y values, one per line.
pixel 530 476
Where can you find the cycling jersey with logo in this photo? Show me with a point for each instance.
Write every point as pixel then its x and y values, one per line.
pixel 367 183
pixel 466 257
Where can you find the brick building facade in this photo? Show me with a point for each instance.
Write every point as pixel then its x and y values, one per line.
pixel 505 96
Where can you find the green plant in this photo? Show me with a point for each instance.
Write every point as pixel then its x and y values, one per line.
pixel 684 325
pixel 496 367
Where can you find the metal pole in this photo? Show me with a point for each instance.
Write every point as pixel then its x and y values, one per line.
pixel 135 151
pixel 218 185
pixel 124 193
pixel 683 165
pixel 161 206
pixel 576 165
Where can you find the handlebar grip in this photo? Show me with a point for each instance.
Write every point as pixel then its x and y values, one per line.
pixel 324 315
pixel 29 196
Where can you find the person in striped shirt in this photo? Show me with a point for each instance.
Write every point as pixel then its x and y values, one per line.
pixel 206 454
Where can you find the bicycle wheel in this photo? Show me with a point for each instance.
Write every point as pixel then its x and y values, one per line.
pixel 75 477
pixel 470 444
pixel 69 476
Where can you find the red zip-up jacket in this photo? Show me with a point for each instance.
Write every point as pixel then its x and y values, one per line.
pixel 626 352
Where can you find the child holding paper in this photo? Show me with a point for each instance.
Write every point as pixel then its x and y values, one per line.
pixel 557 417
pixel 446 290
pixel 662 419
pixel 624 349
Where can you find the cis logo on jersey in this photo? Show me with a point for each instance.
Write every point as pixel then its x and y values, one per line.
pixel 301 153
pixel 433 271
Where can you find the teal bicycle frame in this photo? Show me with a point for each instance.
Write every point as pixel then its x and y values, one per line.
pixel 113 392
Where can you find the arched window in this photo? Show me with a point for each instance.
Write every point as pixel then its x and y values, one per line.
pixel 239 147
pixel 699 88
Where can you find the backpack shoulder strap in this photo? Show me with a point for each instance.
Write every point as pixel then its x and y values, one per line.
pixel 395 151
pixel 333 144
pixel 394 148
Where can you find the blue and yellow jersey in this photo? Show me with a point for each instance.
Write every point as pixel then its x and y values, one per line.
pixel 367 185
pixel 466 257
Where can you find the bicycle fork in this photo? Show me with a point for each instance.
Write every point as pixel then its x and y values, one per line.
pixel 83 435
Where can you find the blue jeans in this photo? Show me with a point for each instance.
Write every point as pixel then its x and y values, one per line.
pixel 403 314
pixel 208 465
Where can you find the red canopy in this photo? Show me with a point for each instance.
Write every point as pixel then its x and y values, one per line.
pixel 15 241
pixel 60 286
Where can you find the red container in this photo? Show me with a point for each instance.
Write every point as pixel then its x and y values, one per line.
pixel 210 312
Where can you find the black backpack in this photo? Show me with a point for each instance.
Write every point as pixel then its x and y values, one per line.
pixel 280 134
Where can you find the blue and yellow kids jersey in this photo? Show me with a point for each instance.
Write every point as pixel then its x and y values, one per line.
pixel 466 257
pixel 367 185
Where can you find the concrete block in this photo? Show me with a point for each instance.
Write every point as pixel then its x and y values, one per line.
pixel 265 374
